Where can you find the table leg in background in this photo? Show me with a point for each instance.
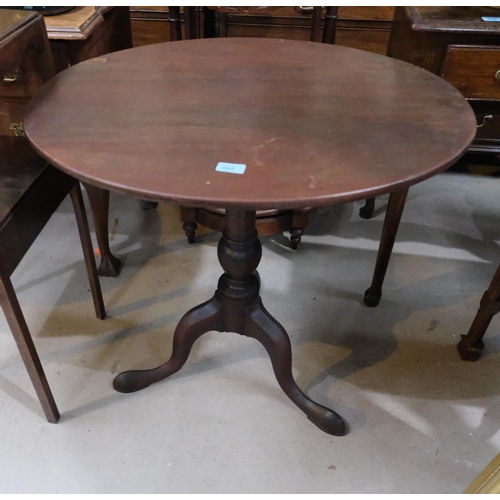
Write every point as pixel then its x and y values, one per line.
pixel 390 229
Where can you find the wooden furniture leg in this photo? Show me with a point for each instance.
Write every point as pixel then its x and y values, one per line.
pixel 391 223
pixel 88 252
pixel 25 225
pixel 295 221
pixel 300 219
pixel 99 204
pixel 366 211
pixel 174 20
pixel 188 218
pixel 471 345
pixel 237 307
pixel 22 336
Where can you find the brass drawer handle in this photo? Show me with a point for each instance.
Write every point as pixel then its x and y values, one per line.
pixel 497 75
pixel 18 129
pixel 12 77
pixel 485 118
pixel 306 8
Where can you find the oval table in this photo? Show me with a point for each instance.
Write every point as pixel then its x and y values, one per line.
pixel 313 124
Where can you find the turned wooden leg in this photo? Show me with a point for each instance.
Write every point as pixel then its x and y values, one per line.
pixel 188 217
pixel 300 218
pixel 471 345
pixel 236 307
pixel 99 204
pixel 24 341
pixel 174 20
pixel 366 211
pixel 88 253
pixel 391 223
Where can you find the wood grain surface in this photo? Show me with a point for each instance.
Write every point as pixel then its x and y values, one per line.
pixel 314 124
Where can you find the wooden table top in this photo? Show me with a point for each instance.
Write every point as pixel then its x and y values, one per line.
pixel 314 124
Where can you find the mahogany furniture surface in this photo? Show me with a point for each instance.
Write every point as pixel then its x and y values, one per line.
pixel 205 25
pixel 365 28
pixel 364 125
pixel 30 189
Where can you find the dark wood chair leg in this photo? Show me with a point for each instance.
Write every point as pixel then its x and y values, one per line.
pixel 366 211
pixel 315 24
pixel 174 19
pixel 99 204
pixel 88 253
pixel 471 345
pixel 300 218
pixel 330 28
pixel 188 217
pixel 391 223
pixel 189 23
pixel 22 336
pixel 209 21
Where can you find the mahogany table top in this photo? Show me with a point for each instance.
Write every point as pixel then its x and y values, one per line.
pixel 315 124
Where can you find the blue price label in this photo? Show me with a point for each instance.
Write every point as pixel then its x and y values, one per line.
pixel 230 168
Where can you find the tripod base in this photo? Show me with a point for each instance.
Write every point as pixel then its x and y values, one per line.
pixel 237 307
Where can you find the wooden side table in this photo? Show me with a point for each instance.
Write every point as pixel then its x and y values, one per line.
pixel 341 141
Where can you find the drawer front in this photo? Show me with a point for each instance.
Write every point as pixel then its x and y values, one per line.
pixel 372 41
pixel 488 119
pixel 11 116
pixel 474 70
pixel 25 60
pixel 488 132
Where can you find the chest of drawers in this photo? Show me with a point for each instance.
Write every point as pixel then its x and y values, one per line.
pixel 457 44
pixel 365 28
pixel 25 64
